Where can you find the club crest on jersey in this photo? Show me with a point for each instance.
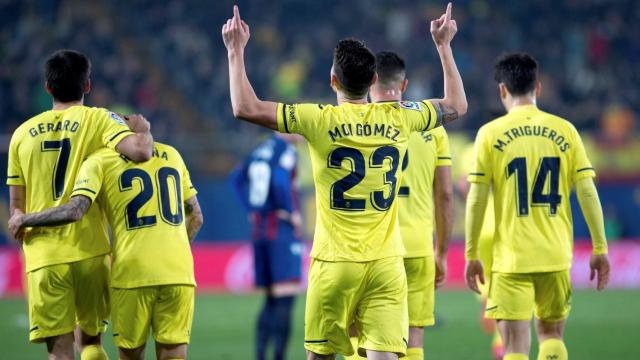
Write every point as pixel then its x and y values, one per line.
pixel 410 105
pixel 117 118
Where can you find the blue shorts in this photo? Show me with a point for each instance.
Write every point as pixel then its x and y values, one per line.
pixel 277 261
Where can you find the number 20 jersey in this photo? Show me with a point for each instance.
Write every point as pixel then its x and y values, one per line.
pixel 532 159
pixel 144 205
pixel 356 153
pixel 45 155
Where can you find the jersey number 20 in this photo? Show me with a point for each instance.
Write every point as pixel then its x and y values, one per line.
pixel 134 221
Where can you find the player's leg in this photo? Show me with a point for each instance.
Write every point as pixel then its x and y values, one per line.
pixel 333 293
pixel 489 326
pixel 511 302
pixel 421 298
pixel 382 314
pixel 131 317
pixel 553 304
pixel 51 309
pixel 262 277
pixel 286 269
pixel 171 321
pixel 91 281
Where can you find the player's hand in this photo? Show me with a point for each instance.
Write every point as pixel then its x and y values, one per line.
pixel 599 265
pixel 15 225
pixel 441 270
pixel 137 123
pixel 444 29
pixel 296 222
pixel 235 33
pixel 473 273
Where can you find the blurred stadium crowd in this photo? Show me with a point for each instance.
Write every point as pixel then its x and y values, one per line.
pixel 166 60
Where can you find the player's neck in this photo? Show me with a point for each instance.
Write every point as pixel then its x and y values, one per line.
pixel 343 99
pixel 520 101
pixel 65 105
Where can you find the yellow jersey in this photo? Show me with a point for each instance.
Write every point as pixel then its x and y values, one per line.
pixel 426 151
pixel 143 203
pixel 45 155
pixel 531 159
pixel 356 152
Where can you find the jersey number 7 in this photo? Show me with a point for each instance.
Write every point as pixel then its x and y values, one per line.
pixel 63 147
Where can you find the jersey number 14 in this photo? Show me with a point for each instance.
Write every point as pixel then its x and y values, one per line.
pixel 549 169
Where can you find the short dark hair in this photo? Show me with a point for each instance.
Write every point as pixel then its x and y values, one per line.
pixel 518 72
pixel 66 73
pixel 355 66
pixel 390 67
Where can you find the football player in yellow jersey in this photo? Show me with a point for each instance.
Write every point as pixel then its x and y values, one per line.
pixel 152 280
pixel 357 273
pixel 66 265
pixel 426 172
pixel 531 160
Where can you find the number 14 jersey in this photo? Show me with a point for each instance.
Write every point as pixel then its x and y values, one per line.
pixel 356 153
pixel 144 205
pixel 45 155
pixel 532 159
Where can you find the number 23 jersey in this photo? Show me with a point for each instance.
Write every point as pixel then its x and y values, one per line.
pixel 45 155
pixel 356 153
pixel 532 159
pixel 144 205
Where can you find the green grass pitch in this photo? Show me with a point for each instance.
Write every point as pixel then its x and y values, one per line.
pixel 602 326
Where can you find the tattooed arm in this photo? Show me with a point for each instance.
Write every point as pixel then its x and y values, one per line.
pixel 454 103
pixel 194 217
pixel 70 212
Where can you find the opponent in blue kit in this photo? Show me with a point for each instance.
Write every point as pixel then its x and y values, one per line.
pixel 265 184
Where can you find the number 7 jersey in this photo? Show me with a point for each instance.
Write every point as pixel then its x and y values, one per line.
pixel 45 155
pixel 144 206
pixel 532 159
pixel 356 153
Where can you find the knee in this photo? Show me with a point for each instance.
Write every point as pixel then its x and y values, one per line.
pixel 549 330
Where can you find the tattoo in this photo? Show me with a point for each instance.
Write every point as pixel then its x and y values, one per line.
pixel 444 114
pixel 70 212
pixel 194 217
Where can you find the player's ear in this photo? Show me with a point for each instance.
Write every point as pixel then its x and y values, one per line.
pixel 48 88
pixel 375 78
pixel 334 82
pixel 403 86
pixel 538 88
pixel 87 86
pixel 503 91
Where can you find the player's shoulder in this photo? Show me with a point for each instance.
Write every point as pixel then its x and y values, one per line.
pixel 103 154
pixel 558 121
pixel 494 126
pixel 166 152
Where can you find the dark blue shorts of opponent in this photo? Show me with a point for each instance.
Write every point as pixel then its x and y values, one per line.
pixel 277 261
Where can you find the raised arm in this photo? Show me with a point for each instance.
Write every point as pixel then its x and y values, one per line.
pixel 194 217
pixel 454 103
pixel 70 212
pixel 138 146
pixel 244 102
pixel 443 199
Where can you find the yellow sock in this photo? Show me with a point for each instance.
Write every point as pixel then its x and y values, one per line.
pixel 93 352
pixel 552 349
pixel 355 356
pixel 515 356
pixel 415 354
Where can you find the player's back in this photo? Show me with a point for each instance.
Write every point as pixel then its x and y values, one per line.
pixel 533 159
pixel 426 150
pixel 144 205
pixel 45 155
pixel 356 152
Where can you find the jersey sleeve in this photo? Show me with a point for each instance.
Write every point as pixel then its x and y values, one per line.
pixel 89 179
pixel 14 170
pixel 582 167
pixel 420 115
pixel 188 190
pixel 481 168
pixel 114 129
pixel 303 119
pixel 443 149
